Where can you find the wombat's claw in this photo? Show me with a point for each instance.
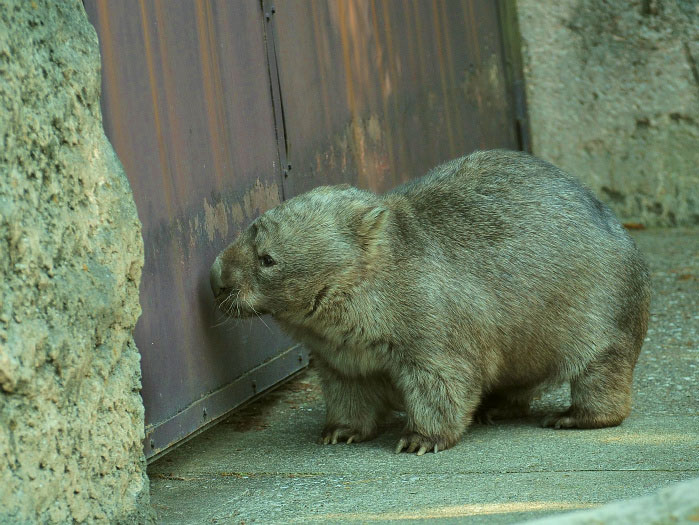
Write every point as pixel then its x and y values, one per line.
pixel 559 421
pixel 416 440
pixel 340 434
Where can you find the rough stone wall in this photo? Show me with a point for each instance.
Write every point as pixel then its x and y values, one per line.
pixel 71 417
pixel 613 97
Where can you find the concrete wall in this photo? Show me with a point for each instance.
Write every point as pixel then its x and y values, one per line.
pixel 71 418
pixel 613 96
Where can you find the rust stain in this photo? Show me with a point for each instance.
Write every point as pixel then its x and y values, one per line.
pixel 119 137
pixel 416 57
pixel 222 156
pixel 356 34
pixel 379 52
pixel 346 56
pixel 349 83
pixel 162 148
pixel 420 43
pixel 470 21
pixel 425 78
pixel 442 73
pixel 452 81
pixel 356 23
pixel 211 81
pixel 367 44
pixel 175 134
pixel 393 72
pixel 322 55
pixel 410 42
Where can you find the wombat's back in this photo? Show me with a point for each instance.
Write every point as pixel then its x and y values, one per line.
pixel 491 187
pixel 533 259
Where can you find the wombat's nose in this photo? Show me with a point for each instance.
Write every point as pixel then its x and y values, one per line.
pixel 215 278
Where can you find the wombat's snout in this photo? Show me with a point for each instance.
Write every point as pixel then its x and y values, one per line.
pixel 215 278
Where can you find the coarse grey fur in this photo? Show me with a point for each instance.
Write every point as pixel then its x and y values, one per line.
pixel 467 290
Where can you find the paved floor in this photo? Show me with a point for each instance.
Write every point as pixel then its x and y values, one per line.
pixel 263 465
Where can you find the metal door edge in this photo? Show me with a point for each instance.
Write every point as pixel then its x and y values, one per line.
pixel 162 438
pixel 511 39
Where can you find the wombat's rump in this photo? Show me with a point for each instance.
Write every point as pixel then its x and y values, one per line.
pixel 477 285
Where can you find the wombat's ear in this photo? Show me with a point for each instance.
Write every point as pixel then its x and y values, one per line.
pixel 371 223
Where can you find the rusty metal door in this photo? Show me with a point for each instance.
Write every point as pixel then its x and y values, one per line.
pixel 219 110
pixel 377 92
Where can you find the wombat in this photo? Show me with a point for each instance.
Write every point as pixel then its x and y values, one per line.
pixel 468 290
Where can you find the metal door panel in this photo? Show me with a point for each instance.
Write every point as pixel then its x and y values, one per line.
pixel 377 92
pixel 187 106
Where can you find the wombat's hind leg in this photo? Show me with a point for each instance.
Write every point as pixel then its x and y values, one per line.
pixel 601 395
pixel 504 405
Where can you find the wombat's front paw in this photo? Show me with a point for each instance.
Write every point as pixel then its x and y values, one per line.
pixel 417 442
pixel 333 433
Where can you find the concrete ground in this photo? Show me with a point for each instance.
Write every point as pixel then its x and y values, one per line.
pixel 264 465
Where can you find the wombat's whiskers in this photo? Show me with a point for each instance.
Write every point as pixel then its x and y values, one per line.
pixel 221 310
pixel 226 307
pixel 230 296
pixel 221 322
pixel 237 304
pixel 229 308
pixel 257 314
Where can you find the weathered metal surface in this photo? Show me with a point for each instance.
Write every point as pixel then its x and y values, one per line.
pixel 377 92
pixel 201 413
pixel 187 106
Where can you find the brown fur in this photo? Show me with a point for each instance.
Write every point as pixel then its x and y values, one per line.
pixel 479 284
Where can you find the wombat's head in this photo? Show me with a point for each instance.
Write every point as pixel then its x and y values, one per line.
pixel 295 257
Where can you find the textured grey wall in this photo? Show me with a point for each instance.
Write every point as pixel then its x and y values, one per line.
pixel 71 418
pixel 613 96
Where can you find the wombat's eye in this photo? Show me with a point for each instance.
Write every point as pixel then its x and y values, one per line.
pixel 266 260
